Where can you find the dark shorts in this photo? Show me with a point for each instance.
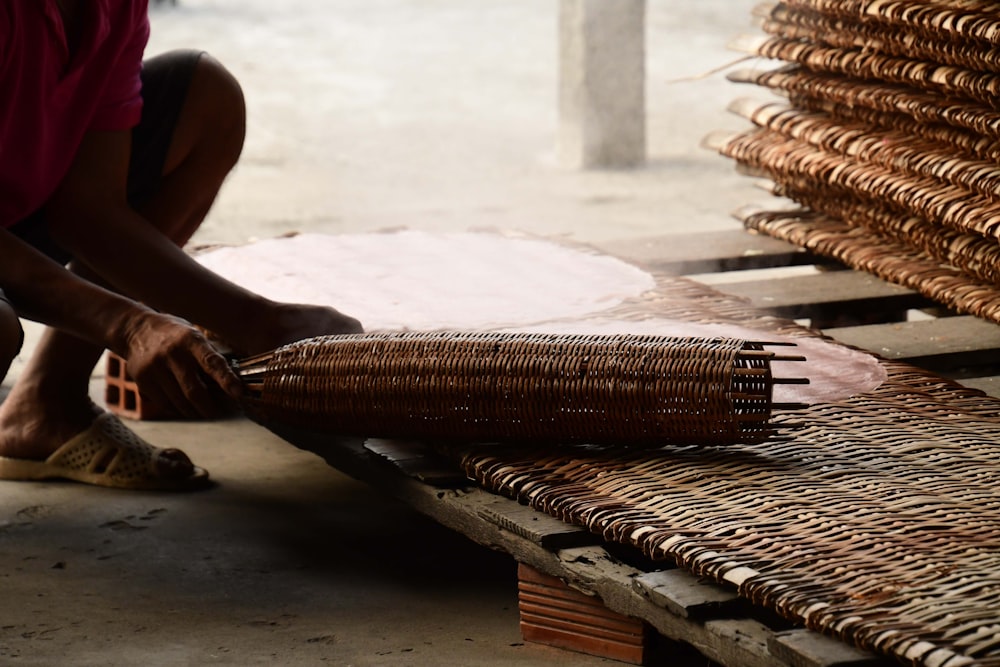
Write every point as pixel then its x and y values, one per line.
pixel 165 82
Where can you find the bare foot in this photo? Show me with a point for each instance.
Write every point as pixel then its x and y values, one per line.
pixel 34 424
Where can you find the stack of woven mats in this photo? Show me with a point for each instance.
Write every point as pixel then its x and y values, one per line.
pixel 888 137
pixel 875 519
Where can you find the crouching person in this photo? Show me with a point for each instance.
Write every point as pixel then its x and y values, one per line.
pixel 109 164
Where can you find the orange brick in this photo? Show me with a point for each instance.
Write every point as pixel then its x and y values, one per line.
pixel 554 614
pixel 121 394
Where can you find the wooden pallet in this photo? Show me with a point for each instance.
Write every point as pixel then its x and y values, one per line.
pixel 682 609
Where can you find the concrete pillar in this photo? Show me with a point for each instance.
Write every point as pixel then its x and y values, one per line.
pixel 602 83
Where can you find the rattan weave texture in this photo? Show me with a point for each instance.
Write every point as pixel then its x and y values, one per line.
pixel 800 163
pixel 976 256
pixel 893 104
pixel 963 20
pixel 627 390
pixel 879 524
pixel 892 130
pixel 880 256
pixel 876 520
pixel 904 39
pixel 944 80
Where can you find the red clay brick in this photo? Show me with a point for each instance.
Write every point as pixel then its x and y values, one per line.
pixel 554 614
pixel 121 394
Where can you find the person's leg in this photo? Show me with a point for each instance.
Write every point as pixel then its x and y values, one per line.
pixel 179 186
pixel 206 144
pixel 173 179
pixel 11 335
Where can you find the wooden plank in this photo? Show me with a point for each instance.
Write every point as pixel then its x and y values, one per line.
pixel 419 461
pixel 989 385
pixel 708 252
pixel 829 298
pixel 805 648
pixel 948 345
pixel 589 569
pixel 592 569
pixel 536 527
pixel 742 641
pixel 734 642
pixel 687 596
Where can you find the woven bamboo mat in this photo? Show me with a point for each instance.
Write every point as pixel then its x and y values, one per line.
pixel 876 519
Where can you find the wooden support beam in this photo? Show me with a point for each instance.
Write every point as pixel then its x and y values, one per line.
pixel 829 299
pixel 952 346
pixel 708 252
pixel 732 642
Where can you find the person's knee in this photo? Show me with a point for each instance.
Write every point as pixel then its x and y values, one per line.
pixel 11 336
pixel 220 102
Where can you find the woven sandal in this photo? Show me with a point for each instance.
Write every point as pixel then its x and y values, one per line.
pixel 109 454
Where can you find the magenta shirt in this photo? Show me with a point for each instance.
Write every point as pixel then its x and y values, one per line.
pixel 48 102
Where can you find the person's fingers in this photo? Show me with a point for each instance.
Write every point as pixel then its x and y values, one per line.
pixel 194 392
pixel 197 384
pixel 178 368
pixel 162 389
pixel 221 373
pixel 352 325
pixel 181 382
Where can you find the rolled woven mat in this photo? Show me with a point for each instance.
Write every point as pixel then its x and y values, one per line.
pixel 598 389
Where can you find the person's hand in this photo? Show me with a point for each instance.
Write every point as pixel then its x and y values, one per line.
pixel 175 366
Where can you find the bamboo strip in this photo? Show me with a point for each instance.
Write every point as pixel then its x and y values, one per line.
pixel 971 253
pixel 970 19
pixel 902 41
pixel 878 96
pixel 788 160
pixel 858 64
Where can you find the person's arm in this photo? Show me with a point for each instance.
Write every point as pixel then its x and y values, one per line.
pixel 166 350
pixel 90 217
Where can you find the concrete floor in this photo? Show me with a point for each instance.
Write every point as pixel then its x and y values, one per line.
pixel 363 115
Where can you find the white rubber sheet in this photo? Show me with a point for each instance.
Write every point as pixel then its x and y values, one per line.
pixel 419 281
